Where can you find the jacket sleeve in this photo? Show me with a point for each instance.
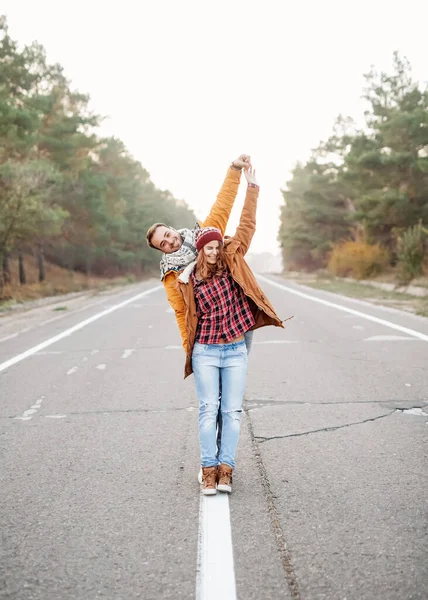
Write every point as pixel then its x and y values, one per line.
pixel 247 222
pixel 177 303
pixel 222 207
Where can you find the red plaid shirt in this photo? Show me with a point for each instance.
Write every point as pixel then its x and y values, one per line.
pixel 222 308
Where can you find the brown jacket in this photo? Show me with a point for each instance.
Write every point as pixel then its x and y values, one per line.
pixel 218 217
pixel 235 249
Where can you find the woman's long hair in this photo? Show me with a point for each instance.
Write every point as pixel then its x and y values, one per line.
pixel 207 271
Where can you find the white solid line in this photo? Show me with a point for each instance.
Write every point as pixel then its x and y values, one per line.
pixel 215 573
pixel 388 338
pixel 9 337
pixel 16 359
pixel 413 332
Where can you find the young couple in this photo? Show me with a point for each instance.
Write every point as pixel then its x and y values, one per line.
pixel 218 304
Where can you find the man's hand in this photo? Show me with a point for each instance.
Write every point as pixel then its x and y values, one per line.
pixel 250 175
pixel 242 162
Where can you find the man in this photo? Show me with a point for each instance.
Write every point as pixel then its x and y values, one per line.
pixel 178 246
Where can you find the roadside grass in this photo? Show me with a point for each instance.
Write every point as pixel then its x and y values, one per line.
pixel 58 282
pixel 401 300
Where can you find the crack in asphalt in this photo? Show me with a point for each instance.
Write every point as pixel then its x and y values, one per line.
pixel 262 439
pixel 274 515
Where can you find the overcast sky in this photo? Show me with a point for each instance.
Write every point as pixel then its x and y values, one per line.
pixel 190 84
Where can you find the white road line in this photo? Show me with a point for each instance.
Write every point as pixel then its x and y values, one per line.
pixel 55 416
pixel 277 342
pixel 19 357
pixel 413 411
pixel 215 571
pixel 9 337
pixel 388 338
pixel 413 332
pixel 29 414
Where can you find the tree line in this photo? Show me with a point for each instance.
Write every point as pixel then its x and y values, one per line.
pixel 67 193
pixel 365 190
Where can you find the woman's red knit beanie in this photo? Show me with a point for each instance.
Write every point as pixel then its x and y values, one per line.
pixel 205 235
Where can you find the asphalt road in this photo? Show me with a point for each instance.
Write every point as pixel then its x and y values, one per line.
pixel 99 453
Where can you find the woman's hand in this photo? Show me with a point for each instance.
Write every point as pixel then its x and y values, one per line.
pixel 242 162
pixel 250 174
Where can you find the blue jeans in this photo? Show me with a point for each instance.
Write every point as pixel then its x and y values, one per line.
pixel 215 364
pixel 248 343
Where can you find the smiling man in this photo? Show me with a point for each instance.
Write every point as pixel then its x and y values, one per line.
pixel 178 246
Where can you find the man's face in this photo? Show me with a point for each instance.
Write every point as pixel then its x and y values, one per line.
pixel 166 239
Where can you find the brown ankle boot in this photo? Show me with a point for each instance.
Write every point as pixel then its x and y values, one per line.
pixel 209 478
pixel 224 481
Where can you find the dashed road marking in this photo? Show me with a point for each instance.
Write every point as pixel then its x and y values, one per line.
pixel 389 338
pixel 277 342
pixel 413 411
pixel 55 416
pixel 30 412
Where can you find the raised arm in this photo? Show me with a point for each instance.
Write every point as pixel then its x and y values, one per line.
pixel 247 222
pixel 222 207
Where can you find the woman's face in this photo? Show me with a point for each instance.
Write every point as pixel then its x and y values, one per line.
pixel 211 251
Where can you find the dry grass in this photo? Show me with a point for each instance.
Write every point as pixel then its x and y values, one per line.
pixel 403 301
pixel 58 281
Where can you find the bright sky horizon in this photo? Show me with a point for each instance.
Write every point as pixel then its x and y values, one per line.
pixel 190 85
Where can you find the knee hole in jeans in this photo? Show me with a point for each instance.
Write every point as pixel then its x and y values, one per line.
pixel 235 414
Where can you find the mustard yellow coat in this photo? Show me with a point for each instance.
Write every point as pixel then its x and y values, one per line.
pixel 218 217
pixel 235 249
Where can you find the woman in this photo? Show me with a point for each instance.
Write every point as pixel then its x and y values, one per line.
pixel 222 302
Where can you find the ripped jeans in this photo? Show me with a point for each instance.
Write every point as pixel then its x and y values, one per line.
pixel 212 364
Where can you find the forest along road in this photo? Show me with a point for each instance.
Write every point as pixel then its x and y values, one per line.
pixel 99 456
